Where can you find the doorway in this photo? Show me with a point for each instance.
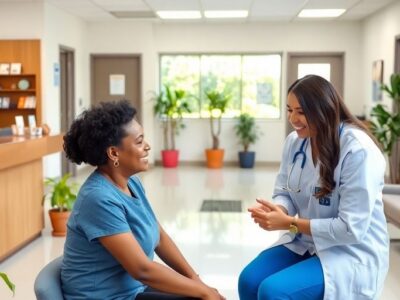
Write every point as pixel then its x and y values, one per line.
pixel 116 77
pixel 327 65
pixel 67 102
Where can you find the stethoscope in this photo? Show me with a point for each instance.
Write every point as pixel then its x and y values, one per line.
pixel 301 153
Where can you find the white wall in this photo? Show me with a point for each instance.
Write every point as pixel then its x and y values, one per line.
pixel 130 37
pixel 62 29
pixel 21 20
pixel 379 33
pixel 152 39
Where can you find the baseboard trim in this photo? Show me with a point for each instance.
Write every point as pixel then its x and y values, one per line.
pixel 198 163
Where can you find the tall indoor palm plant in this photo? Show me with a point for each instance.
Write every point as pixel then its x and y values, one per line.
pixel 386 125
pixel 170 105
pixel 217 102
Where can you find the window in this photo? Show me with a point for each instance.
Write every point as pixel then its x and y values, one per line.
pixel 253 81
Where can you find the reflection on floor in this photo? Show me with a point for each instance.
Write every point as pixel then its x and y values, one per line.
pixel 217 244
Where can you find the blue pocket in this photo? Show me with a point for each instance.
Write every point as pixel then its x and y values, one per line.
pixel 325 201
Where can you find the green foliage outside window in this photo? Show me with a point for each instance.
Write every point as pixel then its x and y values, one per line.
pixel 252 81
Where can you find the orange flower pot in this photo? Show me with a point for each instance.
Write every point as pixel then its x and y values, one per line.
pixel 59 222
pixel 215 158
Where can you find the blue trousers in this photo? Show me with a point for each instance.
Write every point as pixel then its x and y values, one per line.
pixel 279 273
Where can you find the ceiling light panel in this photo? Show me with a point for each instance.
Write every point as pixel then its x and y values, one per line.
pixel 321 13
pixel 158 5
pixel 226 4
pixel 179 14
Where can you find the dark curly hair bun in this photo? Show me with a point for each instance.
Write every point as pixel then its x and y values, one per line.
pixel 95 130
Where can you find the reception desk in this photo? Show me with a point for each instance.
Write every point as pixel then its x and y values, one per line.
pixel 21 189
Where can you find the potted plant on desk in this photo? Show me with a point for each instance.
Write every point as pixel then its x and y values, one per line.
pixel 169 107
pixel 248 133
pixel 62 197
pixel 217 104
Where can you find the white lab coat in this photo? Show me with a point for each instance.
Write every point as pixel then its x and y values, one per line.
pixel 349 231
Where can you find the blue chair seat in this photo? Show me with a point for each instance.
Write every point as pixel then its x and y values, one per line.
pixel 48 282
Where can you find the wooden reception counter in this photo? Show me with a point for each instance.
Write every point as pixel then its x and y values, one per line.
pixel 21 189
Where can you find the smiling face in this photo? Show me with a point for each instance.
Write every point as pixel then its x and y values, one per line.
pixel 297 118
pixel 133 152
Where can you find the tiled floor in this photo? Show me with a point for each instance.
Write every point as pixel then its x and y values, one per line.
pixel 217 244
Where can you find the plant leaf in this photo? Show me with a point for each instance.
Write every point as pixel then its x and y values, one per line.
pixel 7 281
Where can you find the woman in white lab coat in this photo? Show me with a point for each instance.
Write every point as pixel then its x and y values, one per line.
pixel 328 194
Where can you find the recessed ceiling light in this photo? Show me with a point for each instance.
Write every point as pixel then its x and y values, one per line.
pixel 226 14
pixel 321 13
pixel 179 14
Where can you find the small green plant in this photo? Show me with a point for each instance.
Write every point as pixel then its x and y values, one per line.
pixel 246 130
pixel 170 106
pixel 62 194
pixel 217 104
pixel 385 124
pixel 7 281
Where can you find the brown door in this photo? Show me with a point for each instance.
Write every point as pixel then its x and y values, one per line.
pixel 116 77
pixel 328 65
pixel 67 102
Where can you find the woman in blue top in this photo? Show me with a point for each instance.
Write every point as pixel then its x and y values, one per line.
pixel 328 194
pixel 112 231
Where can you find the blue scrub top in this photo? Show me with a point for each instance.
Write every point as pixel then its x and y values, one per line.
pixel 89 271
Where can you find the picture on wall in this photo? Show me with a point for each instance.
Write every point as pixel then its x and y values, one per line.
pixel 377 80
pixel 15 68
pixel 4 69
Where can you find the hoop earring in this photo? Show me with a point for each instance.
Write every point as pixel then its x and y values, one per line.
pixel 116 163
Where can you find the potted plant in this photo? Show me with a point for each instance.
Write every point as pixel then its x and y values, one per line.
pixel 386 126
pixel 7 281
pixel 247 132
pixel 62 197
pixel 170 106
pixel 217 104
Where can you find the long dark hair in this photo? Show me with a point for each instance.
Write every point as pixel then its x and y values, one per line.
pixel 324 110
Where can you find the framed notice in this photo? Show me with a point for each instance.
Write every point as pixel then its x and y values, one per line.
pixel 117 84
pixel 15 68
pixel 377 80
pixel 4 69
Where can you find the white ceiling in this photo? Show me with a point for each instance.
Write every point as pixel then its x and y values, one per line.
pixel 259 10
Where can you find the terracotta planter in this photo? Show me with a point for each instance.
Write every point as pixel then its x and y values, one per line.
pixel 215 158
pixel 170 158
pixel 59 222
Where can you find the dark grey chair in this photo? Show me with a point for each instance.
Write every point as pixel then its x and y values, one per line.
pixel 48 282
